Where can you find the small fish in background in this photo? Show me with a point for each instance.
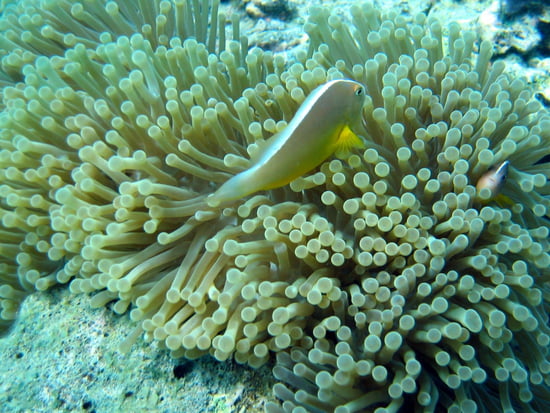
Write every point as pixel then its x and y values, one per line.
pixel 494 180
pixel 320 128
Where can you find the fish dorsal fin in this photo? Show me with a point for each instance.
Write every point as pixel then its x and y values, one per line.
pixel 347 140
pixel 256 149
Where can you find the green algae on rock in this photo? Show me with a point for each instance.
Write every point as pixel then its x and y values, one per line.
pixel 376 279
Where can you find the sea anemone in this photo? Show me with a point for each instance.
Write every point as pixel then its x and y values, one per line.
pixel 380 278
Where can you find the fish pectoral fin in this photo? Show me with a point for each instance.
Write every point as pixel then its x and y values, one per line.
pixel 504 200
pixel 347 140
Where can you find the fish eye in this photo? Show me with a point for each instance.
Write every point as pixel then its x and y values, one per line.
pixel 359 91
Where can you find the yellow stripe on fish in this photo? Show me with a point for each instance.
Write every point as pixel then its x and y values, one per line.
pixel 320 128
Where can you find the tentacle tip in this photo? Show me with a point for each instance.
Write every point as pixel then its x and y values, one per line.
pixel 213 201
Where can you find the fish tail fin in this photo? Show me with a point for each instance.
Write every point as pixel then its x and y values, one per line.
pixel 347 140
pixel 232 189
